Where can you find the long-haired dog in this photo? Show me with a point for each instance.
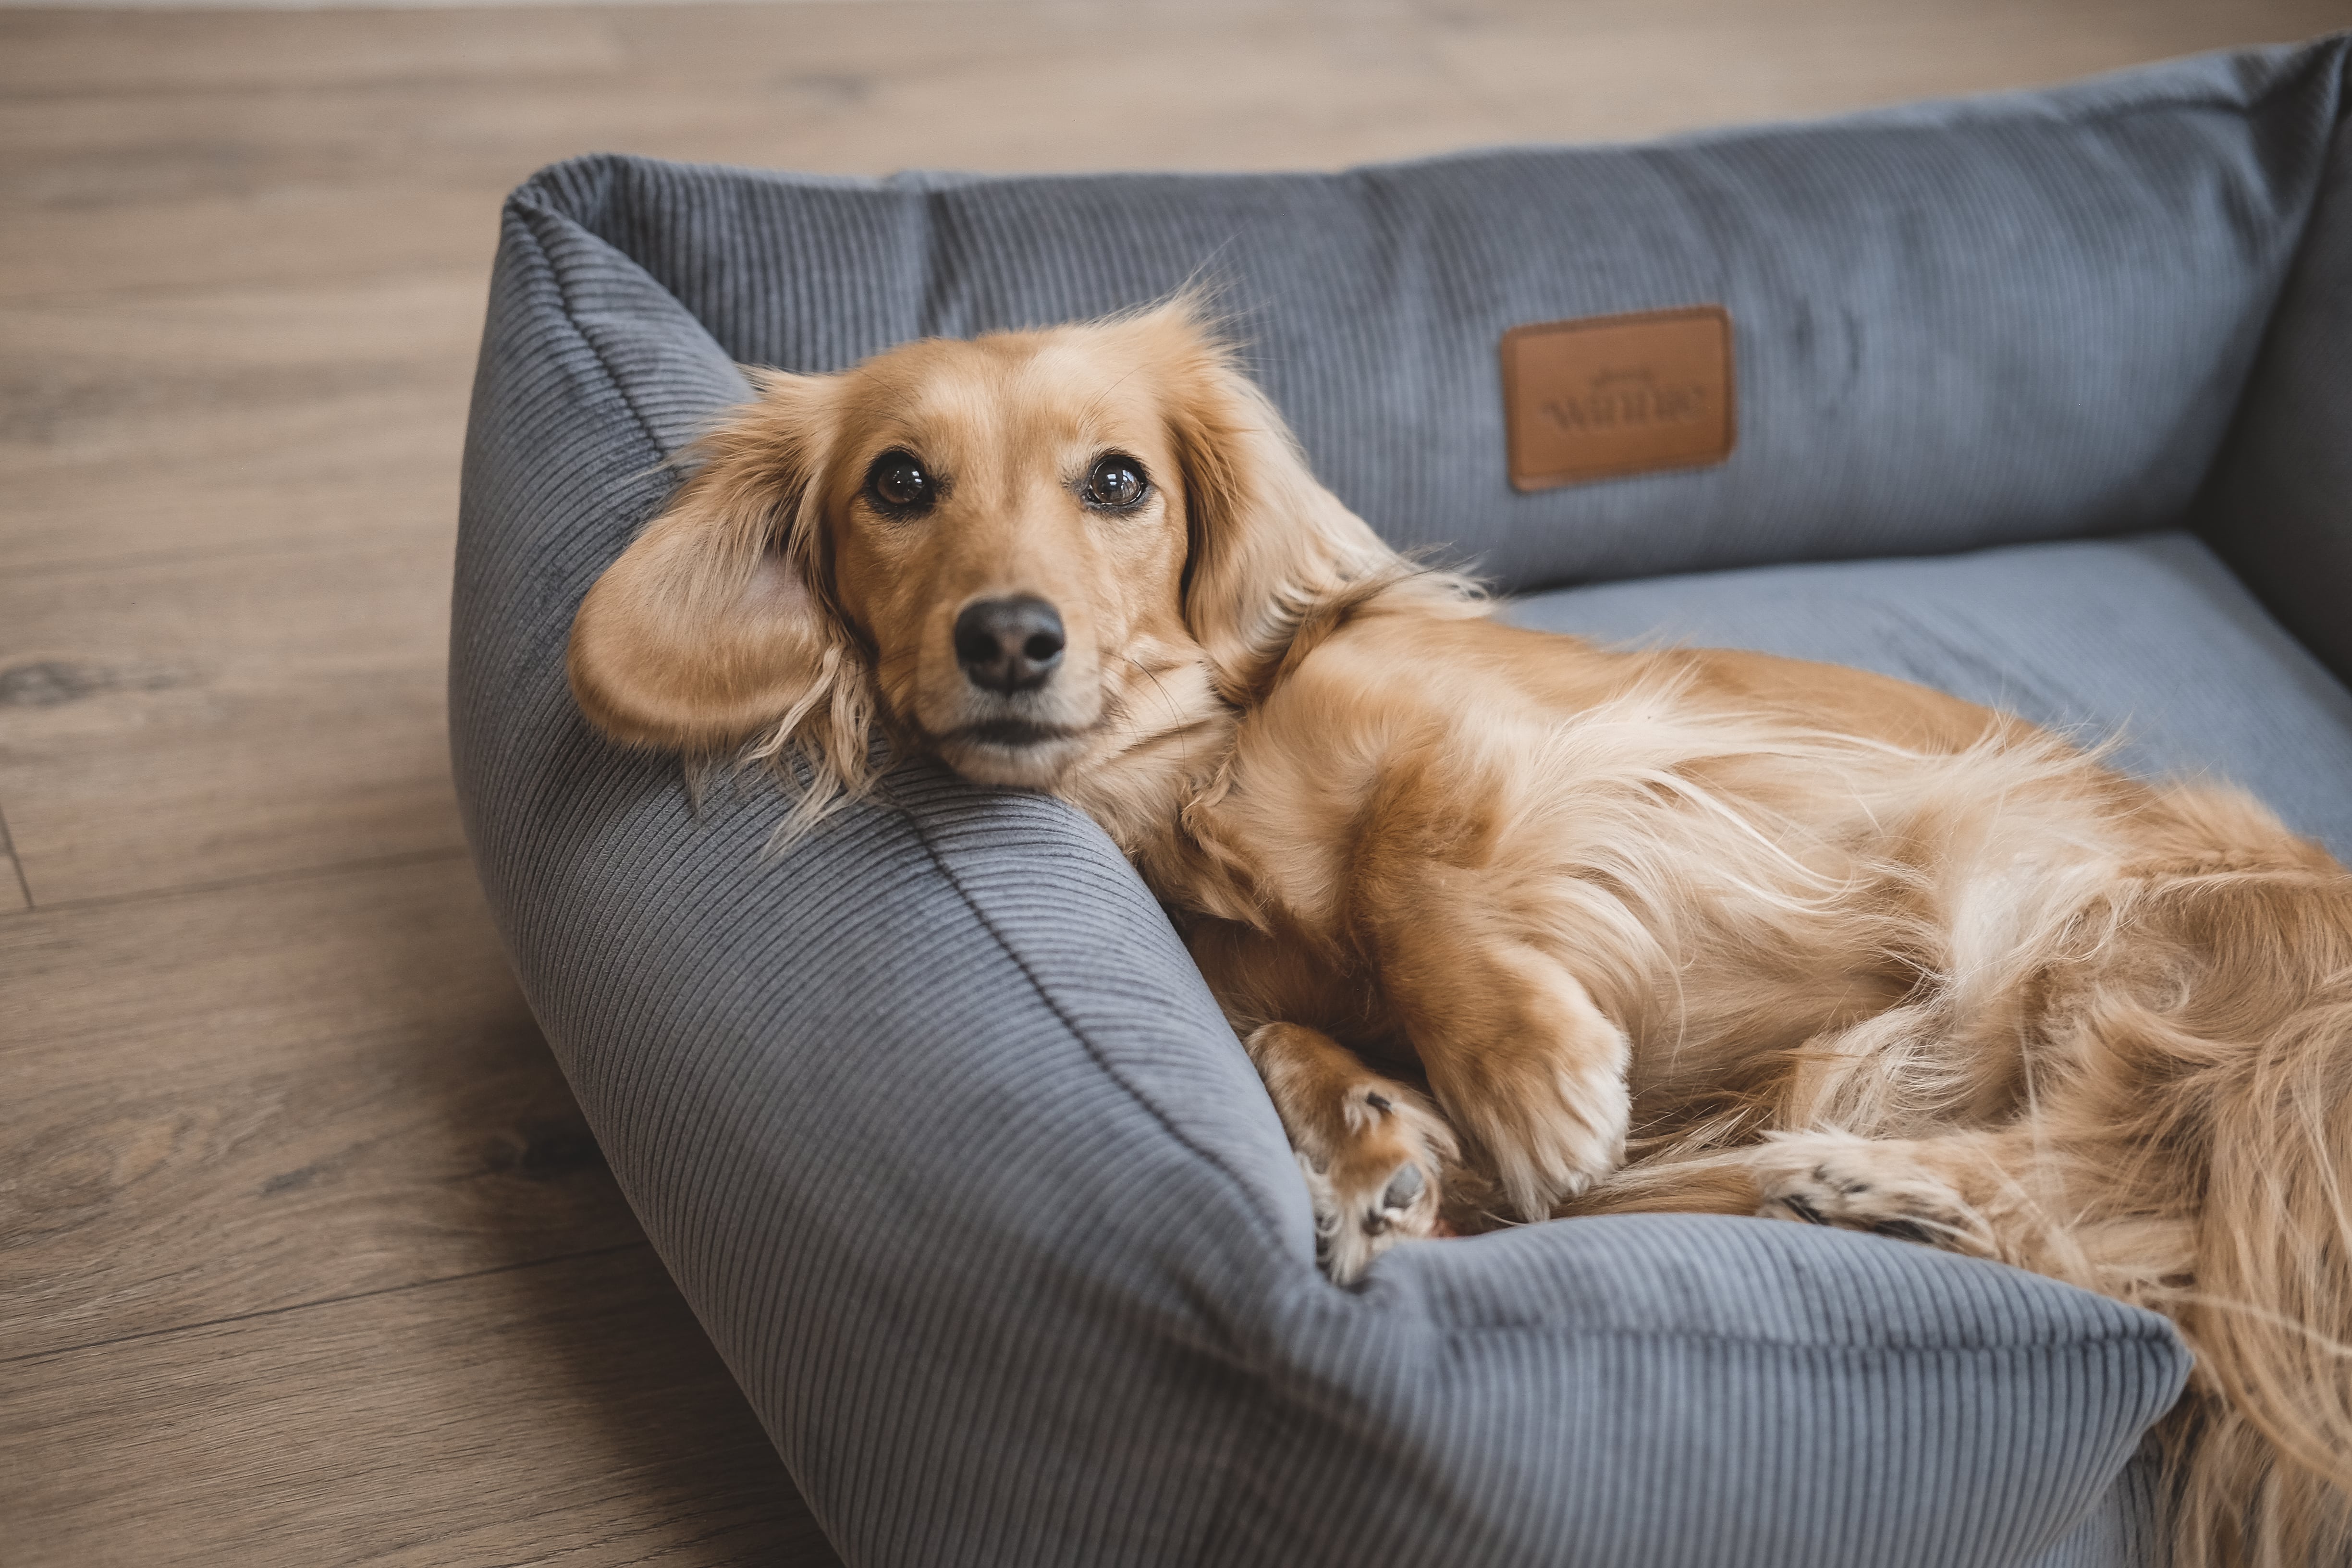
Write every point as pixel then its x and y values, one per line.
pixel 1517 927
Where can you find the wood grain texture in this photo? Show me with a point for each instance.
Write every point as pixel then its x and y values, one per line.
pixel 305 1255
pixel 190 422
pixel 369 173
pixel 337 1073
pixel 568 1413
pixel 172 723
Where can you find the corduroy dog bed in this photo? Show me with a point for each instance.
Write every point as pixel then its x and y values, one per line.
pixel 934 1122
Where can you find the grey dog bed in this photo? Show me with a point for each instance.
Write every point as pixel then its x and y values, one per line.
pixel 938 1128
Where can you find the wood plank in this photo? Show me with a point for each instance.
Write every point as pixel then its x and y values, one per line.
pixel 68 53
pixel 982 86
pixel 334 1076
pixel 289 233
pixel 169 725
pixel 216 419
pixel 205 187
pixel 1029 88
pixel 568 1412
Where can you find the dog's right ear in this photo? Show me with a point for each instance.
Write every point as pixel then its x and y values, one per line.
pixel 1267 544
pixel 712 625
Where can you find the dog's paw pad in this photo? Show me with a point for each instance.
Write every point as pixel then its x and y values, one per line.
pixel 1362 1209
pixel 1398 1201
pixel 1403 1191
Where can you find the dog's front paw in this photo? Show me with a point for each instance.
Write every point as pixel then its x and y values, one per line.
pixel 1548 1114
pixel 1860 1184
pixel 1377 1183
pixel 1372 1149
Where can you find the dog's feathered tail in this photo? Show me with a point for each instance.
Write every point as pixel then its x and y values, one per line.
pixel 2260 1451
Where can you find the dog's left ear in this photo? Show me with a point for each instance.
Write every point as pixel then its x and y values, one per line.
pixel 711 625
pixel 1268 543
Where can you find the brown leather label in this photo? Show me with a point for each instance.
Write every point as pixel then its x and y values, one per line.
pixel 1604 396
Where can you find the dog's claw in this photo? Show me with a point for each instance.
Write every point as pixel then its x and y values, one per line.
pixel 1403 1189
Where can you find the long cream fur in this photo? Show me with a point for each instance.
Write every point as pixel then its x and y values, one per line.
pixel 1514 926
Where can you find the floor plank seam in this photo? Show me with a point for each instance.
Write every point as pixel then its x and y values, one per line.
pixel 16 864
pixel 257 880
pixel 260 1312
pixel 246 550
pixel 312 277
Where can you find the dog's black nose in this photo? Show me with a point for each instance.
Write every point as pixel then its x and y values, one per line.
pixel 1009 644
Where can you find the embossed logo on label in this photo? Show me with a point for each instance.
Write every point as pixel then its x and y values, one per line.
pixel 1604 396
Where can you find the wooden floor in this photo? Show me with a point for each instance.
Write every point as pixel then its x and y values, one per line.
pixel 306 1255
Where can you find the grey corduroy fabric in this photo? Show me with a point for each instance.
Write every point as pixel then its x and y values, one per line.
pixel 2027 317
pixel 2146 640
pixel 937 1127
pixel 2279 502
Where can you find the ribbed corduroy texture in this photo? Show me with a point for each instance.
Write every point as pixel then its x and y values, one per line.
pixel 937 1127
pixel 1958 325
pixel 2148 637
pixel 2279 503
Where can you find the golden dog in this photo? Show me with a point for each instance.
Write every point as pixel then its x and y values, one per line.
pixel 1517 927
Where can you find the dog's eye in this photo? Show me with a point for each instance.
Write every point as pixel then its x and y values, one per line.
pixel 1116 482
pixel 898 482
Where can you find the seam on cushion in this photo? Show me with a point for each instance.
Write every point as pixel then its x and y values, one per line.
pixel 1268 1421
pixel 2339 128
pixel 2319 47
pixel 539 191
pixel 2162 1334
pixel 2338 46
pixel 1053 1004
pixel 524 209
pixel 1250 1448
pixel 529 209
pixel 930 306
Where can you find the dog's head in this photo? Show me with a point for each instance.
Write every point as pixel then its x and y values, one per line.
pixel 999 547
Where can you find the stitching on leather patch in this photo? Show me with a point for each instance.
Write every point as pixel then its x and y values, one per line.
pixel 1604 396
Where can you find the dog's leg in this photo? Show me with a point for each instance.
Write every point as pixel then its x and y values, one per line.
pixel 1522 1061
pixel 1372 1149
pixel 1977 1192
pixel 1926 1189
pixel 2077 1209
